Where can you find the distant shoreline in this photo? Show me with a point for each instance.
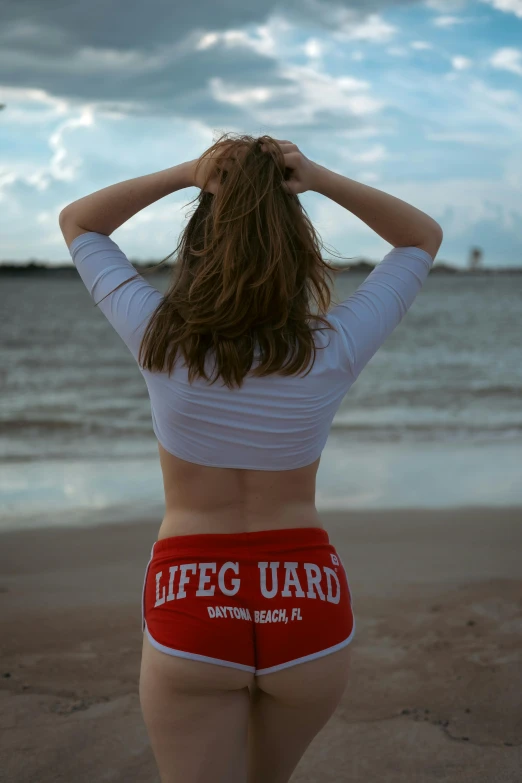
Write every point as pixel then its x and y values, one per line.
pixel 35 268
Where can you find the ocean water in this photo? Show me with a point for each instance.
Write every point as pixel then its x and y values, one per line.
pixel 434 419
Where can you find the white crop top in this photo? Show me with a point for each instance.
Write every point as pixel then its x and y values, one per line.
pixel 272 423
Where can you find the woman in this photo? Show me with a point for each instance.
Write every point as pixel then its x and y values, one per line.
pixel 246 611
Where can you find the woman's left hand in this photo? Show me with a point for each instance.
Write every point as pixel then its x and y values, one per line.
pixel 198 179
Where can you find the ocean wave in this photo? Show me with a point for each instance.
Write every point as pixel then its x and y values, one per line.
pixel 52 426
pixel 469 429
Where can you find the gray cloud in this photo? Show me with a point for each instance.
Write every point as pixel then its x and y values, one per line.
pixel 142 58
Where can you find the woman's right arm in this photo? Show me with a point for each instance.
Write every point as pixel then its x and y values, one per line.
pixel 379 304
pixel 376 308
pixel 399 223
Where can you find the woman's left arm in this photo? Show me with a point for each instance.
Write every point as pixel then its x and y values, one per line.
pixel 125 298
pixel 107 209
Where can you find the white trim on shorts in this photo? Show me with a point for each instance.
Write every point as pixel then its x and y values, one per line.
pixel 346 573
pixel 243 667
pixel 311 657
pixel 195 656
pixel 143 590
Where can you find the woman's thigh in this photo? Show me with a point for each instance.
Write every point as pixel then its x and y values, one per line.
pixel 288 709
pixel 196 715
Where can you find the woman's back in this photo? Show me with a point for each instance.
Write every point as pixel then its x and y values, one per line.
pixel 255 450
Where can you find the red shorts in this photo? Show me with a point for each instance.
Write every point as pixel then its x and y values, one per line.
pixel 258 601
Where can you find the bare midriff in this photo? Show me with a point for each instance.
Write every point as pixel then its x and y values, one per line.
pixel 203 499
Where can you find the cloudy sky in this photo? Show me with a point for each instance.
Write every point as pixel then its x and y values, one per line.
pixel 422 99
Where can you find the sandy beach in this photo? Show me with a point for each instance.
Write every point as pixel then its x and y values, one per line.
pixel 437 666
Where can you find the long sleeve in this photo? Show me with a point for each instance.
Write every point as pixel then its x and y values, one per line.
pixel 102 266
pixel 372 312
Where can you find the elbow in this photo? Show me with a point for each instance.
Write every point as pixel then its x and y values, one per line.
pixel 62 217
pixel 69 214
pixel 437 231
pixel 432 242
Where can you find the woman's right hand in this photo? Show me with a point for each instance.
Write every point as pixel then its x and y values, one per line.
pixel 301 173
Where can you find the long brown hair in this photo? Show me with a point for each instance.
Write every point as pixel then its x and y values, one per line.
pixel 248 266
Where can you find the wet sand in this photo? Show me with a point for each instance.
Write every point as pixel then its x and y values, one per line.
pixel 436 684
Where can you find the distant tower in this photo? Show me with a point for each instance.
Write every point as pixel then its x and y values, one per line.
pixel 475 258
